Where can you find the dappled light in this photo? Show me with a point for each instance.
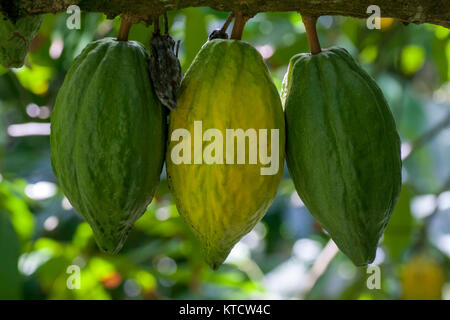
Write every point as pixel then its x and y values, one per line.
pixel 288 254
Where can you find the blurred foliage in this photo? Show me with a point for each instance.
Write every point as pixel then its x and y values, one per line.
pixel 41 235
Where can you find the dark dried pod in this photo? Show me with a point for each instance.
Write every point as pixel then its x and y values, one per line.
pixel 222 32
pixel 218 34
pixel 165 68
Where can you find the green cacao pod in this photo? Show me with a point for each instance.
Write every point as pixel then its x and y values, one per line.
pixel 108 137
pixel 228 86
pixel 15 39
pixel 342 149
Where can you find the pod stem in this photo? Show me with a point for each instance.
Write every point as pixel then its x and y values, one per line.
pixel 227 23
pixel 311 33
pixel 239 24
pixel 125 26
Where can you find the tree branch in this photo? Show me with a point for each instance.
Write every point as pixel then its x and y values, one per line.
pixel 410 11
pixel 318 268
pixel 427 137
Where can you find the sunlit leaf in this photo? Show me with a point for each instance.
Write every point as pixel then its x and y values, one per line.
pixel 413 58
pixel 146 280
pixel 369 54
pixel 83 235
pixel 441 32
pixel 101 268
pixel 447 52
pixel 35 79
pixel 53 246
pixel 21 217
pixel 397 236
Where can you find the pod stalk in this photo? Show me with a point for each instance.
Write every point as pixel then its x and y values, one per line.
pixel 311 33
pixel 125 26
pixel 239 23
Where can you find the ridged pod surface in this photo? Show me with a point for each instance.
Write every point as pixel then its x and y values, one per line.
pixel 15 39
pixel 228 86
pixel 342 149
pixel 108 137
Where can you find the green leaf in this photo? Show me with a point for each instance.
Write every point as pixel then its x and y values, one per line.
pixel 21 217
pixel 11 283
pixel 397 237
pixel 195 34
pixel 413 58
pixel 3 70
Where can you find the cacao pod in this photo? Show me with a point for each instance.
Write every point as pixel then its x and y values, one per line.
pixel 228 86
pixel 15 38
pixel 422 279
pixel 342 149
pixel 108 136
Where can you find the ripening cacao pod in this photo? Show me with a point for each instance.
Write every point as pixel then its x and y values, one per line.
pixel 222 194
pixel 422 279
pixel 342 149
pixel 15 38
pixel 108 136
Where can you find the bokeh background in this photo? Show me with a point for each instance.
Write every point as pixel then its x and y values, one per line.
pixel 287 255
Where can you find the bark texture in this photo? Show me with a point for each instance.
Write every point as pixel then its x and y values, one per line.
pixel 410 11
